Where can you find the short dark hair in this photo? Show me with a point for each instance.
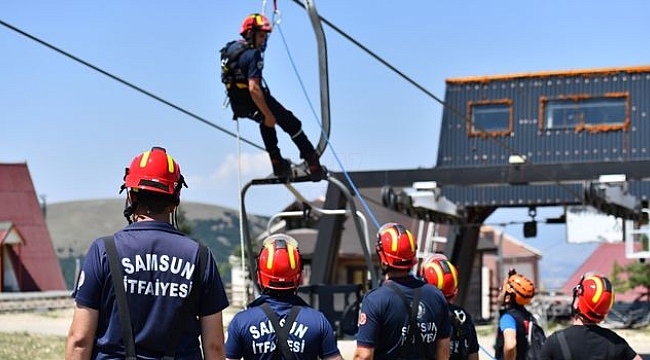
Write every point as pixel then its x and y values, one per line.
pixel 279 293
pixel 154 202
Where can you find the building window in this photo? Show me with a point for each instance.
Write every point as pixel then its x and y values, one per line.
pixel 586 113
pixel 490 118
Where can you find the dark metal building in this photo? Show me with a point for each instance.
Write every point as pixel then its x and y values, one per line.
pixel 525 140
pixel 552 117
pixel 585 117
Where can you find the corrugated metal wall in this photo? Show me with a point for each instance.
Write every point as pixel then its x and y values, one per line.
pixel 458 149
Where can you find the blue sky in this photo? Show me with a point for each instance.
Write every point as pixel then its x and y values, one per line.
pixel 78 129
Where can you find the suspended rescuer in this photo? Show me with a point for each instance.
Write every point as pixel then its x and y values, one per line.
pixel 593 297
pixel 404 318
pixel 241 72
pixel 279 324
pixel 440 272
pixel 148 291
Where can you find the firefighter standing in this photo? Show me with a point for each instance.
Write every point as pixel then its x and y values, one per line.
pixel 593 297
pixel 279 324
pixel 441 273
pixel 405 317
pixel 169 299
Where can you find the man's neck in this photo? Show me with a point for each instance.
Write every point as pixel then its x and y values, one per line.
pixel 577 320
pixel 398 274
pixel 151 217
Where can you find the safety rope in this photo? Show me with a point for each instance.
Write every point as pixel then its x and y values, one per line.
pixel 453 110
pixel 124 82
pixel 487 353
pixel 241 217
pixel 196 117
pixel 318 122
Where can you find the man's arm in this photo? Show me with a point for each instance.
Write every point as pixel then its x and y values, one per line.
pixel 509 344
pixel 257 94
pixel 81 336
pixel 365 353
pixel 212 336
pixel 472 356
pixel 442 348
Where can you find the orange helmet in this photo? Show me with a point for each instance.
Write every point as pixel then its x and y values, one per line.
pixel 154 170
pixel 519 288
pixel 279 266
pixel 441 273
pixel 396 246
pixel 595 296
pixel 255 22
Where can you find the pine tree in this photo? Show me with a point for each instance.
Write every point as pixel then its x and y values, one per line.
pixel 633 275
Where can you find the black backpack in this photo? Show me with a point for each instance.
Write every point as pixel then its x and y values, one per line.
pixel 531 332
pixel 536 339
pixel 229 71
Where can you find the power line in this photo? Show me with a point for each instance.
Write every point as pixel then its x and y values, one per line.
pixel 124 82
pixel 211 124
pixel 336 157
pixel 455 111
pixel 376 57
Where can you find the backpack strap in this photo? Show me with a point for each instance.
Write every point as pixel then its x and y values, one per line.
pixel 458 318
pixel 186 310
pixel 413 316
pixel 120 298
pixel 282 332
pixel 566 354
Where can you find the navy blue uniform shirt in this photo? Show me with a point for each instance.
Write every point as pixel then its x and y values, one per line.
pixel 251 335
pixel 251 63
pixel 384 318
pixel 463 336
pixel 157 262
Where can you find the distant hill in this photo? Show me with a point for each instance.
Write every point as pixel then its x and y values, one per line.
pixel 74 225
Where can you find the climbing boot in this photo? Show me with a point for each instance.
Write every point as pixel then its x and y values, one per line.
pixel 281 167
pixel 316 172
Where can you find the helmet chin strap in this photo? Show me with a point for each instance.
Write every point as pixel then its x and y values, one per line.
pixel 174 218
pixel 129 209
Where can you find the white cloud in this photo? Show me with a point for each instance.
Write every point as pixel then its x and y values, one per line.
pixel 252 165
pixel 220 185
pixel 225 175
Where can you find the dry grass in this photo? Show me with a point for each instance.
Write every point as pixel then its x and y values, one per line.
pixel 26 346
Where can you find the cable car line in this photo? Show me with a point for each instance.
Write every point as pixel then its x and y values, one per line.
pixel 508 148
pixel 124 82
pixel 511 150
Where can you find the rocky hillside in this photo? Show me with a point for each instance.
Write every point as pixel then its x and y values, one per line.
pixel 74 225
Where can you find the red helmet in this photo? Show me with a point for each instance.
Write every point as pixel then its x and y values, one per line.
pixel 156 171
pixel 279 265
pixel 255 22
pixel 396 247
pixel 519 287
pixel 441 273
pixel 595 296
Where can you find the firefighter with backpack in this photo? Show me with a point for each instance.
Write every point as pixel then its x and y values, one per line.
pixel 279 324
pixel 440 272
pixel 241 72
pixel 519 337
